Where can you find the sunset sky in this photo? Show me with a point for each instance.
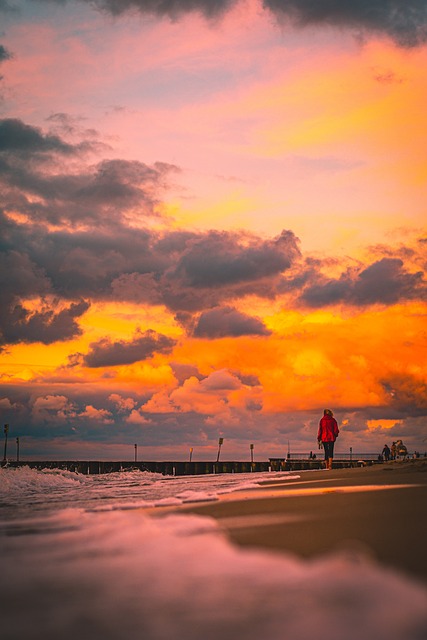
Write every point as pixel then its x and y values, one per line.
pixel 213 224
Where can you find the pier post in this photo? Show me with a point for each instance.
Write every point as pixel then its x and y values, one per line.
pixel 220 442
pixel 6 431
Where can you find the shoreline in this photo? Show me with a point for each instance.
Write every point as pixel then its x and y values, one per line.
pixel 378 512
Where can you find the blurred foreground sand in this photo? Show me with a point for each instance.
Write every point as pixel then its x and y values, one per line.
pixel 379 511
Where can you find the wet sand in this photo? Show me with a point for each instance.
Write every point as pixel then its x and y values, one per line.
pixel 379 511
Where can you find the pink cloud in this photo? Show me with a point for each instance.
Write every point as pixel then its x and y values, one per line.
pixel 100 415
pixel 53 407
pixel 221 397
pixel 137 418
pixel 123 404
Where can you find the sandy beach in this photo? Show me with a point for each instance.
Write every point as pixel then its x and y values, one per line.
pixel 379 511
pixel 254 555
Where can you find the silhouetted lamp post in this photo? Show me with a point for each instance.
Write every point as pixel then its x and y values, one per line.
pixel 220 442
pixel 252 453
pixel 191 453
pixel 136 452
pixel 6 431
pixel 17 449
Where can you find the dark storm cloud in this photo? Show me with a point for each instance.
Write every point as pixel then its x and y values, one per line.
pixel 45 325
pixel 227 321
pixel 172 8
pixel 217 266
pixel 16 136
pixel 184 371
pixel 25 250
pixel 407 393
pixel 216 259
pixel 4 53
pixel 404 21
pixel 384 282
pixel 388 282
pixel 126 264
pixel 202 270
pixel 35 184
pixel 122 183
pixel 67 234
pixel 21 279
pixel 106 353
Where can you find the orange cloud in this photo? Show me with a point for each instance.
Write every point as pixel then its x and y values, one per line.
pixel 222 396
pixel 383 424
pixel 100 415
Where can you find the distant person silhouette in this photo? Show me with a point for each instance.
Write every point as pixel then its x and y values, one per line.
pixel 386 453
pixel 327 434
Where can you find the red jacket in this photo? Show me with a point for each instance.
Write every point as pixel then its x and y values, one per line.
pixel 328 429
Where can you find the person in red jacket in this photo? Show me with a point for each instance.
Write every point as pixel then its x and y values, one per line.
pixel 327 434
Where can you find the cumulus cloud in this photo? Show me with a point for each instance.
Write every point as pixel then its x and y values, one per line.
pixel 45 326
pixel 123 405
pixel 5 404
pixel 133 265
pixel 98 415
pixel 184 371
pixel 216 266
pixel 216 259
pixel 53 407
pixel 227 321
pixel 222 397
pixel 122 184
pixel 183 271
pixel 107 353
pixel 386 281
pixel 35 185
pixel 18 324
pixel 136 417
pixel 22 280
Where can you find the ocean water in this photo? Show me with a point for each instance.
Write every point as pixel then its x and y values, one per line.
pixel 82 557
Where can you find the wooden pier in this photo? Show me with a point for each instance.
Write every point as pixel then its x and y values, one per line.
pixel 179 468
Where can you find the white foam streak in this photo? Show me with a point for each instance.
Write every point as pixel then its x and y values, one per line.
pixel 50 489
